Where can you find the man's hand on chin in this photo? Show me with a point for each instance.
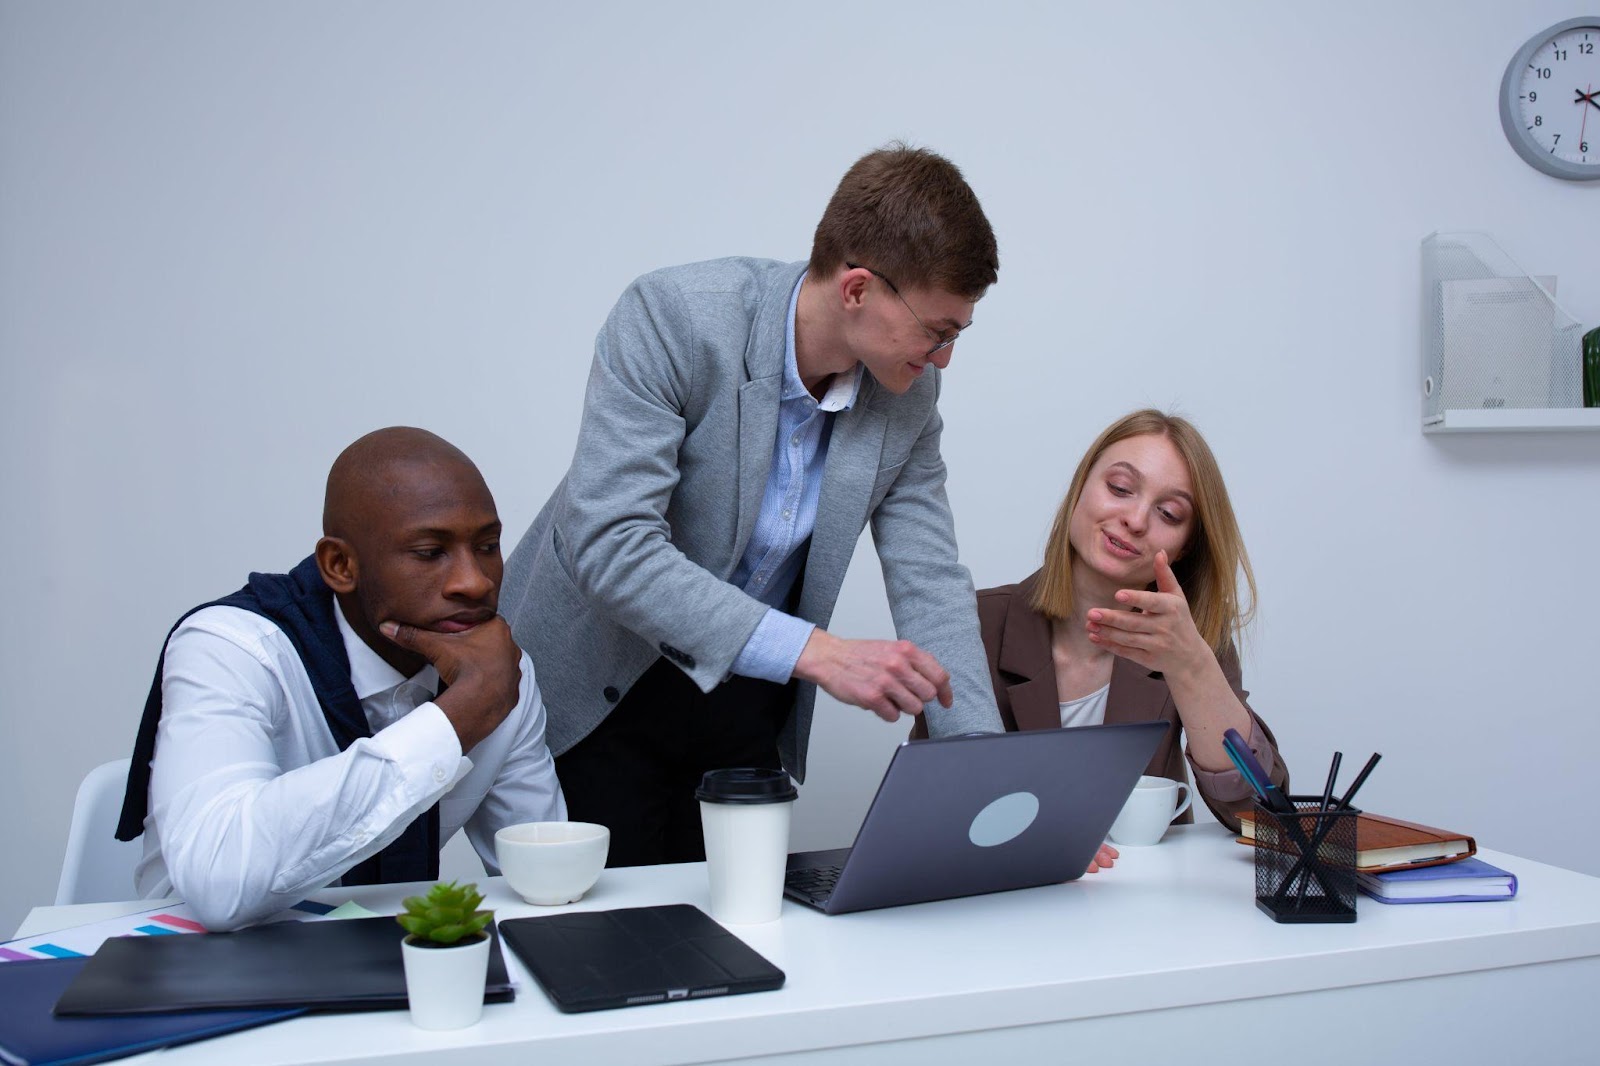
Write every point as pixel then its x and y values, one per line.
pixel 479 661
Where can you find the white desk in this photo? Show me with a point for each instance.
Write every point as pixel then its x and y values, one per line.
pixel 1163 959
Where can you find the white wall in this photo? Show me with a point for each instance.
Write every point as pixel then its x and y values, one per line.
pixel 235 236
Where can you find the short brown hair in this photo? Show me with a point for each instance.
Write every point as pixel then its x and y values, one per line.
pixel 1211 562
pixel 909 214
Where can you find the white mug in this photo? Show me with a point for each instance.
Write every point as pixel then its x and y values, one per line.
pixel 1150 808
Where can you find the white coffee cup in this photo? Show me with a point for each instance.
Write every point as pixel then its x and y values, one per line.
pixel 550 863
pixel 745 815
pixel 1150 808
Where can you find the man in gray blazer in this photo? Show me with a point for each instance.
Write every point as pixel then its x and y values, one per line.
pixel 745 419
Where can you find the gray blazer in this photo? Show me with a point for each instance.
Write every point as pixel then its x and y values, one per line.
pixel 630 557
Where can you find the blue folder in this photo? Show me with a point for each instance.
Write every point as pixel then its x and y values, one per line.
pixel 1469 880
pixel 30 1035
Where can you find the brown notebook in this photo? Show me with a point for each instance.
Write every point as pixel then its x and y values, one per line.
pixel 1384 843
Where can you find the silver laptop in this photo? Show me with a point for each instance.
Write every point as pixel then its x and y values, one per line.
pixel 960 816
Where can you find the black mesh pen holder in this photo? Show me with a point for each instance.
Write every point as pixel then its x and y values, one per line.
pixel 1306 862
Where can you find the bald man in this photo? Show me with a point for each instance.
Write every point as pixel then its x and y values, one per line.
pixel 344 720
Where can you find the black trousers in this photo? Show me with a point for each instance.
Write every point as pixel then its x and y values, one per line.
pixel 637 772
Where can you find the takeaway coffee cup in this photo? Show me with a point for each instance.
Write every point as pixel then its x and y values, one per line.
pixel 1150 808
pixel 745 815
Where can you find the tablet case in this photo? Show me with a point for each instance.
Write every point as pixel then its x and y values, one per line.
pixel 353 964
pixel 594 960
pixel 31 1036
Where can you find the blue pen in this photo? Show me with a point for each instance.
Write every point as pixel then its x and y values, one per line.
pixel 1255 774
pixel 1244 771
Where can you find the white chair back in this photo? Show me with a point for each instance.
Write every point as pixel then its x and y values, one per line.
pixel 98 868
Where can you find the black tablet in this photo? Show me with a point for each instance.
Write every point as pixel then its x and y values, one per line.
pixel 594 960
pixel 341 965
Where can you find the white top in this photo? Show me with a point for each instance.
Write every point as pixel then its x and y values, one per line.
pixel 252 804
pixel 1087 710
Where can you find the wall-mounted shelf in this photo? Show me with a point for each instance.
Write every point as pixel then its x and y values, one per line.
pixel 1513 420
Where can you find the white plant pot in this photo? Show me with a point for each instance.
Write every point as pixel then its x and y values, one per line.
pixel 445 985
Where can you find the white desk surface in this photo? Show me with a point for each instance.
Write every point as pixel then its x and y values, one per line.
pixel 1171 927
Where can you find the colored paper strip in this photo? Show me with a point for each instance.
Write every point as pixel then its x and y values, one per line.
pixel 56 951
pixel 155 930
pixel 15 956
pixel 178 923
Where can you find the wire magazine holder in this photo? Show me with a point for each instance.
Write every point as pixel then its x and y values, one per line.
pixel 1493 337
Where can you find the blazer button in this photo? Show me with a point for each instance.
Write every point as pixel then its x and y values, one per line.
pixel 611 694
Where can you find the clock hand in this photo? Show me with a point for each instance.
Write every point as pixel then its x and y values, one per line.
pixel 1585 124
pixel 1586 98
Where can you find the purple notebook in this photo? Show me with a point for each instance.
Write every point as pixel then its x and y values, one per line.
pixel 1470 880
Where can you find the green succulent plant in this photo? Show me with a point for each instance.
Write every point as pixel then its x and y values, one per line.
pixel 447 915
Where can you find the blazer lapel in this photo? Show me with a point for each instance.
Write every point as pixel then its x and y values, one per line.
pixel 1137 694
pixel 758 430
pixel 1025 655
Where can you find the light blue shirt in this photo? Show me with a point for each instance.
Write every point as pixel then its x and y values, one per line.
pixel 777 549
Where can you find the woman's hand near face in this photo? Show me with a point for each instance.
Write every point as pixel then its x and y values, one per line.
pixel 1161 635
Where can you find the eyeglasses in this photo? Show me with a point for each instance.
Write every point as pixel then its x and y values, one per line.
pixel 941 342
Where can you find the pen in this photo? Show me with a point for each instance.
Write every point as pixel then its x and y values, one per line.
pixel 1244 771
pixel 1333 773
pixel 1254 773
pixel 1327 797
pixel 1361 779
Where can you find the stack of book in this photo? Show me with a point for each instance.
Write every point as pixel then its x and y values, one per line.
pixel 1404 862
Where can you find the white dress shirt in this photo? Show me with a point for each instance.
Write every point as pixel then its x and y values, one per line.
pixel 253 805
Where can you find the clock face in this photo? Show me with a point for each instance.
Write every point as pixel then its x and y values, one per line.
pixel 1550 100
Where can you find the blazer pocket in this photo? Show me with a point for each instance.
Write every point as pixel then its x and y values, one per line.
pixel 572 603
pixel 886 478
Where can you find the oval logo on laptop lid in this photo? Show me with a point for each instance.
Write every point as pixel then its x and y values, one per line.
pixel 1004 819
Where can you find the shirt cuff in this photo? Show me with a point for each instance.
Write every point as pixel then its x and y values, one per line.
pixel 1229 786
pixel 424 745
pixel 774 648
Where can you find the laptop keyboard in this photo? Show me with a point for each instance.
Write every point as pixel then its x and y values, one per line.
pixel 814 883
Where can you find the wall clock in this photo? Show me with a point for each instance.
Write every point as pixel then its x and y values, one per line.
pixel 1550 100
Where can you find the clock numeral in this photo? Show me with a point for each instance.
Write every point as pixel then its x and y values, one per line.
pixel 1538 120
pixel 1583 146
pixel 1586 49
pixel 1533 98
pixel 1561 54
pixel 1543 72
pixel 1557 141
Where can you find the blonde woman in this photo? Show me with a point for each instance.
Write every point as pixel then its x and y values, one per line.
pixel 1135 614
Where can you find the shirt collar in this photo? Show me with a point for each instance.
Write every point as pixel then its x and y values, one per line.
pixel 369 674
pixel 842 389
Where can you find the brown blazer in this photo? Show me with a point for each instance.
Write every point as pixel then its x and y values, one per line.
pixel 1016 640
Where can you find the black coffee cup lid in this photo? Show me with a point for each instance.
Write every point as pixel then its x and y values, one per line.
pixel 746 784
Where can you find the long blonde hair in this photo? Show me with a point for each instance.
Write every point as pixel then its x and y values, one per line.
pixel 1209 567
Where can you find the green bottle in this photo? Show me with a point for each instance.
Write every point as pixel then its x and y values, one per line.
pixel 1591 368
